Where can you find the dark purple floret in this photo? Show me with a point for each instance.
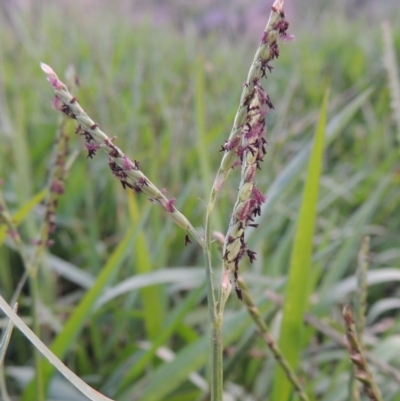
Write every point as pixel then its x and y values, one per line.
pixel 91 148
pixel 57 187
pixel 251 255
pixel 169 204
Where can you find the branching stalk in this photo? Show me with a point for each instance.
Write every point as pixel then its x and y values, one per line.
pixel 244 147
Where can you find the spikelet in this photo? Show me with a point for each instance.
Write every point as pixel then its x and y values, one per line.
pixel 124 169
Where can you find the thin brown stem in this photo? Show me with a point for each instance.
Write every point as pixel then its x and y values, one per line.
pixel 271 343
pixel 357 357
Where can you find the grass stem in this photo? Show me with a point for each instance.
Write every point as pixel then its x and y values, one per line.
pixel 271 343
pixel 357 357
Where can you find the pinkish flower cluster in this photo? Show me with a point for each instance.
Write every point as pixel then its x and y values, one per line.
pixel 125 170
pixel 249 144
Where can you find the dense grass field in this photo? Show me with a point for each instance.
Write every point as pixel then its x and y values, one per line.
pixel 119 297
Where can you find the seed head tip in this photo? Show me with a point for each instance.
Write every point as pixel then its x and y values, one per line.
pixel 46 68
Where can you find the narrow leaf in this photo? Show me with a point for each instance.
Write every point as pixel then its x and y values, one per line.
pixel 84 310
pixel 22 212
pixel 168 376
pixel 164 334
pixel 298 287
pixel 68 374
pixel 291 171
pixel 151 296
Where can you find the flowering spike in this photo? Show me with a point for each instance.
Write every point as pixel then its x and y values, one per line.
pixel 126 171
pixel 51 76
pixel 249 145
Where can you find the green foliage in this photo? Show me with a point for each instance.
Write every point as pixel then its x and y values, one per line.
pixel 118 304
pixel 298 287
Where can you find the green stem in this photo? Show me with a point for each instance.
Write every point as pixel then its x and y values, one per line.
pixel 33 283
pixel 207 256
pixel 217 372
pixel 216 382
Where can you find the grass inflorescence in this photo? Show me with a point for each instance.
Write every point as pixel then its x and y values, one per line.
pixel 114 292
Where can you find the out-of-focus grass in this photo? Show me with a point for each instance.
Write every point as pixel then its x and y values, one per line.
pixel 170 98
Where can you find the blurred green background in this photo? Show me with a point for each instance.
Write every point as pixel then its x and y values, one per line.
pixel 165 78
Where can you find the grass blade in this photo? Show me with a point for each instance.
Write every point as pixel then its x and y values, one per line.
pixel 153 311
pixel 297 289
pixel 22 212
pixel 389 59
pixel 333 128
pixel 189 275
pixel 70 376
pixel 5 339
pixel 193 357
pixel 84 310
pixel 165 333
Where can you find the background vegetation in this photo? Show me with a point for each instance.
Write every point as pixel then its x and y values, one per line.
pixel 169 89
